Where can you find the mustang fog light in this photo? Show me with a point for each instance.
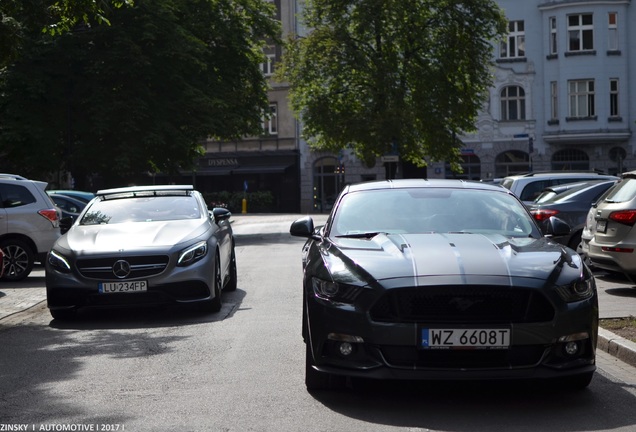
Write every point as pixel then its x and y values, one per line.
pixel 345 348
pixel 571 348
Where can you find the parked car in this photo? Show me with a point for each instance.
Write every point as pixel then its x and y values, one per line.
pixel 551 191
pixel 609 239
pixel 442 279
pixel 529 186
pixel 142 245
pixel 69 206
pixel 572 207
pixel 1 263
pixel 80 195
pixel 29 224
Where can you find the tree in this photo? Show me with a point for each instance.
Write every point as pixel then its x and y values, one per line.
pixel 23 20
pixel 379 76
pixel 140 94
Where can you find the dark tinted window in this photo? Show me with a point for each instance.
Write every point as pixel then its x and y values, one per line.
pixel 15 196
pixel 534 189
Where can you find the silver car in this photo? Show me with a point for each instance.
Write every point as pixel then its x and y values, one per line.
pixel 609 237
pixel 142 246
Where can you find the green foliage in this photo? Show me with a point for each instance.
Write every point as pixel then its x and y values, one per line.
pixel 376 75
pixel 141 93
pixel 257 202
pixel 22 21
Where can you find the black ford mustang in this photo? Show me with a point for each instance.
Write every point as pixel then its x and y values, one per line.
pixel 442 280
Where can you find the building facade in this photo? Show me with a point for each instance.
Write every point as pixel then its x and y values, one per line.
pixel 562 99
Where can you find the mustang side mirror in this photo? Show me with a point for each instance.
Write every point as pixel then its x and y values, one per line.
pixel 304 227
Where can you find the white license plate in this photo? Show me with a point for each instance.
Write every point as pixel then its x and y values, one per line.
pixel 487 338
pixel 601 226
pixel 123 287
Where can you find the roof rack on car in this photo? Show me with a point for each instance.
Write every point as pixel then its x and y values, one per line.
pixel 530 174
pixel 145 191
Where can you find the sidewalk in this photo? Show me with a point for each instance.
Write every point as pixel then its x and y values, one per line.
pixel 617 298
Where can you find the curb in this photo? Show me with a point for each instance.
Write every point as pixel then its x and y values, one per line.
pixel 621 348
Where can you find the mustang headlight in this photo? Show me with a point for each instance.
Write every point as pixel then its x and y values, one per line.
pixel 335 292
pixel 581 289
pixel 192 254
pixel 59 262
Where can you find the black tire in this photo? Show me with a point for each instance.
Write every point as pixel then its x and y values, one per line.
pixel 214 305
pixel 63 314
pixel 232 283
pixel 18 259
pixel 316 380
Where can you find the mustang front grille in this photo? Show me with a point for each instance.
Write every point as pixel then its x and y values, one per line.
pixel 462 304
pixel 408 357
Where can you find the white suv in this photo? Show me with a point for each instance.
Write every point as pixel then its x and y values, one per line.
pixel 29 224
pixel 529 186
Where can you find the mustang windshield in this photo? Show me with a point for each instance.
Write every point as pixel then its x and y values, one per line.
pixel 436 210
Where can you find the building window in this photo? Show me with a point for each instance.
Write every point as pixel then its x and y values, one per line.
pixel 570 160
pixel 581 32
pixel 270 121
pixel 613 98
pixel 553 35
pixel 612 31
pixel 514 45
pixel 328 179
pixel 471 164
pixel 513 103
pixel 554 101
pixel 268 66
pixel 581 93
pixel 512 162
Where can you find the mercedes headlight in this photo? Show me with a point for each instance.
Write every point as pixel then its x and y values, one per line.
pixel 192 254
pixel 59 262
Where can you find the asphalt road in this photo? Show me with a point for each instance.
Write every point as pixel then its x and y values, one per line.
pixel 242 370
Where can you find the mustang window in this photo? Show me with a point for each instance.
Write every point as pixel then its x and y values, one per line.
pixel 366 214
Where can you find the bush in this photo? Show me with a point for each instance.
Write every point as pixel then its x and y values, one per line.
pixel 257 202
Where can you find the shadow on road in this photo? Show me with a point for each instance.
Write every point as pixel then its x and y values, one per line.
pixel 150 317
pixel 483 406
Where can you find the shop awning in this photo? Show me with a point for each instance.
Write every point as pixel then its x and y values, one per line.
pixel 261 169
pixel 214 171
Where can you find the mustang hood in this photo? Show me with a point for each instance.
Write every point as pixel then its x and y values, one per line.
pixel 465 258
pixel 131 236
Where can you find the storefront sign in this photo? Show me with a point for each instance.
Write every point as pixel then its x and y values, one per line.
pixel 224 162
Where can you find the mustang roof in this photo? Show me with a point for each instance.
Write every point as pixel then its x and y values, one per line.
pixel 423 183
